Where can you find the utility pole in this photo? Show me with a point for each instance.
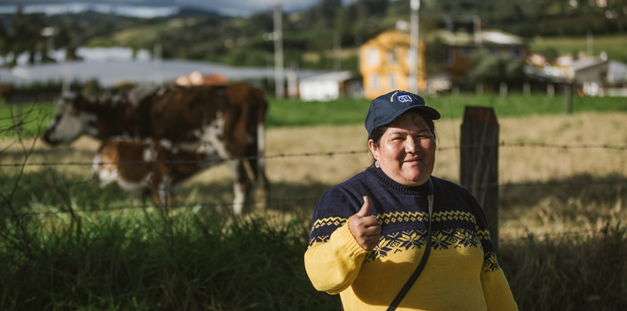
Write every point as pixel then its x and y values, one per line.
pixel 49 33
pixel 590 41
pixel 278 52
pixel 157 74
pixel 413 48
pixel 65 83
pixel 476 25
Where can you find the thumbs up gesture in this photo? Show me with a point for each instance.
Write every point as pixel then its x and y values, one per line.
pixel 365 228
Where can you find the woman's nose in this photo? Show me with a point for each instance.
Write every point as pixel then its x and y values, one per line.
pixel 410 145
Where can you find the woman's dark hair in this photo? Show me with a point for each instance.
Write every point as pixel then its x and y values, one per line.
pixel 378 132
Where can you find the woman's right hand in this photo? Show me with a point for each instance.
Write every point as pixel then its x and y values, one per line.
pixel 365 228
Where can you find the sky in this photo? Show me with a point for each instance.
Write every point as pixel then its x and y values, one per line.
pixel 153 8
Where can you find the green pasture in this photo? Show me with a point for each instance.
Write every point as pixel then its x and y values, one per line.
pixel 34 118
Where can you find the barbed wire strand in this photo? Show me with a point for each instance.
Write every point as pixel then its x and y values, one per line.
pixel 305 154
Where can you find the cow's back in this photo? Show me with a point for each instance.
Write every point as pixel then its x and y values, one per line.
pixel 180 113
pixel 251 107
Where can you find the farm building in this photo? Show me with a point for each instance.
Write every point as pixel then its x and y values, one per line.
pixel 330 86
pixel 455 49
pixel 384 63
pixel 590 75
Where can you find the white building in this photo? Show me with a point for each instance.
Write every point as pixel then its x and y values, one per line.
pixel 330 86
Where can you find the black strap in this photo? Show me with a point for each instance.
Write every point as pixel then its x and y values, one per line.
pixel 423 261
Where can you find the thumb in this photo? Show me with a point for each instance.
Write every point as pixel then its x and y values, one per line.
pixel 365 209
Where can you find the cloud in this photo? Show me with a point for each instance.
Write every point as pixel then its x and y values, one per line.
pixel 149 8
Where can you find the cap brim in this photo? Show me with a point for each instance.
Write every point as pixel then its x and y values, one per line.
pixel 429 111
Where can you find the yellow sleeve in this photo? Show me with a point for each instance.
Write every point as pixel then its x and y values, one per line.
pixel 496 291
pixel 333 266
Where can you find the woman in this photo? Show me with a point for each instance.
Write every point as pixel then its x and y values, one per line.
pixel 370 232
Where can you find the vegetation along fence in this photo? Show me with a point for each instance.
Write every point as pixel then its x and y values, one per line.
pixel 559 254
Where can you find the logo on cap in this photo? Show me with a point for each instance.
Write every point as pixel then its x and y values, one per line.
pixel 404 98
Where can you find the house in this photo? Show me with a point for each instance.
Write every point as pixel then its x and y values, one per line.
pixel 590 75
pixel 384 60
pixel 455 48
pixel 384 63
pixel 330 86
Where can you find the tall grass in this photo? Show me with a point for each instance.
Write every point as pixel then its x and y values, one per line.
pixel 150 260
pixel 569 272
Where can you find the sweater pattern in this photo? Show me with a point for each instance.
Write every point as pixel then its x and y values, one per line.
pixel 407 240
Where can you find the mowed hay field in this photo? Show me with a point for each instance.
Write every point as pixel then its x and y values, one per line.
pixel 548 165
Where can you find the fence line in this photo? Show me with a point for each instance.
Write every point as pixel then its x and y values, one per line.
pixel 225 205
pixel 228 204
pixel 314 154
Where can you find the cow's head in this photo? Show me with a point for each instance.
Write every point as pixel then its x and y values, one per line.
pixel 71 120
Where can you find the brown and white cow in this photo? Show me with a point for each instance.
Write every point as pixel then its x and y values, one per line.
pixel 159 167
pixel 230 119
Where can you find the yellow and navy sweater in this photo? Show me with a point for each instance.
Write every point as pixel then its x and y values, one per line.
pixel 461 273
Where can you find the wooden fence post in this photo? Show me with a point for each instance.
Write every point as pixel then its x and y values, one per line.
pixel 479 161
pixel 568 91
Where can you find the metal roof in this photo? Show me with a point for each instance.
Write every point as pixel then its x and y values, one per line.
pixel 490 36
pixel 332 76
pixel 110 73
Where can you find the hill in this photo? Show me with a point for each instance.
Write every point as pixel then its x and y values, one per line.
pixel 310 37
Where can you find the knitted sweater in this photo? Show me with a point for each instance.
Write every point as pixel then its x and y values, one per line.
pixel 461 273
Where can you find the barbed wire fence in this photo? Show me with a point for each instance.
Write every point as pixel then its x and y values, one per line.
pixel 284 200
pixel 319 154
pixel 310 154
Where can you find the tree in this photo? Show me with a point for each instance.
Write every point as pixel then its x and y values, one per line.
pixel 25 35
pixel 491 70
pixel 326 11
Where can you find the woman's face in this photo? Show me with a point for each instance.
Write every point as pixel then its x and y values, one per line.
pixel 406 151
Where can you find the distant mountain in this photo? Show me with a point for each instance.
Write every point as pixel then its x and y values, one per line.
pixel 198 12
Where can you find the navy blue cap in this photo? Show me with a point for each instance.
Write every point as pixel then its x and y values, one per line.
pixel 385 108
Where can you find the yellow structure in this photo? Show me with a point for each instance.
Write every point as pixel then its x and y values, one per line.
pixel 384 64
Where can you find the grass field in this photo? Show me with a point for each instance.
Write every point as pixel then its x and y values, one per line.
pixel 70 245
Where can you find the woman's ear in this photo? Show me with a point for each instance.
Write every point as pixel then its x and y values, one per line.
pixel 374 149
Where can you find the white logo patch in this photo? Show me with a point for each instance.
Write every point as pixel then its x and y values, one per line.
pixel 404 98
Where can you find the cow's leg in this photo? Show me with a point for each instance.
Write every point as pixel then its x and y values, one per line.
pixel 241 185
pixel 240 197
pixel 261 191
pixel 145 194
pixel 261 182
pixel 161 192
